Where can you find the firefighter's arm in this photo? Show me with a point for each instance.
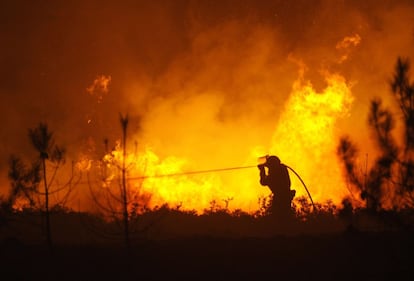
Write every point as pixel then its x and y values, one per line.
pixel 263 176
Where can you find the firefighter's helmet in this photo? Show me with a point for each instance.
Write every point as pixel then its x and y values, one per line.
pixel 272 161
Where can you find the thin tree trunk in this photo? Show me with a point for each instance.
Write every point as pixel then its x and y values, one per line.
pixel 124 187
pixel 48 230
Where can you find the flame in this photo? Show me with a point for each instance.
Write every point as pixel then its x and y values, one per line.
pixel 345 45
pixel 164 182
pixel 99 87
pixel 349 41
pixel 304 138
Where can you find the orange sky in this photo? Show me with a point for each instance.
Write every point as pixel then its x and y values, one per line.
pixel 214 83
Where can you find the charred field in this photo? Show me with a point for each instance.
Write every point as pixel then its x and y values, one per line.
pixel 173 245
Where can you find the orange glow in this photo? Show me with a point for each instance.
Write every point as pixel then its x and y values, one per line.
pixel 304 138
pixel 345 45
pixel 99 87
pixel 206 87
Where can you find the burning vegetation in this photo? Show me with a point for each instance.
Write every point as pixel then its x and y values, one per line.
pixel 200 114
pixel 213 140
pixel 305 138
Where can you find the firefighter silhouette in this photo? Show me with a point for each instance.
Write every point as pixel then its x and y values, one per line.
pixel 275 175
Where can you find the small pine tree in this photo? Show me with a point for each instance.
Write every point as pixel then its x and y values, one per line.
pixel 27 180
pixel 392 175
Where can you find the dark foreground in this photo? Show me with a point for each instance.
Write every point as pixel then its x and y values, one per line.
pixel 343 256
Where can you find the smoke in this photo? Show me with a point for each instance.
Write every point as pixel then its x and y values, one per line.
pixel 208 81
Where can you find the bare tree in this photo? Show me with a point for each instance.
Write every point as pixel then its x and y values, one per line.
pixel 124 125
pixel 392 174
pixel 112 193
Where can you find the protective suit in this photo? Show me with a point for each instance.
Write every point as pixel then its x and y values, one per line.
pixel 277 179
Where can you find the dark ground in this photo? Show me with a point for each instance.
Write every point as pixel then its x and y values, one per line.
pixel 340 256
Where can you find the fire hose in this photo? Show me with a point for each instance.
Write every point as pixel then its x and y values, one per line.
pixel 304 185
pixel 222 170
pixel 193 172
